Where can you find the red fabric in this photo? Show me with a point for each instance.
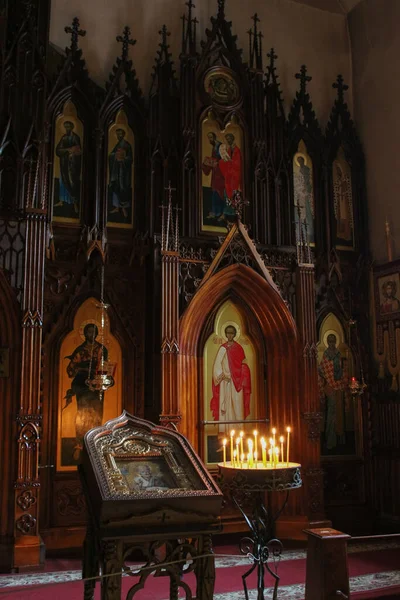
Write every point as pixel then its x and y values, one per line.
pixel 232 171
pixel 241 378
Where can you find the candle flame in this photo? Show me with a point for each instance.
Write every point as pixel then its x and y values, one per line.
pixel 225 441
pixel 274 430
pixel 281 439
pixel 232 432
pixel 288 429
pixel 241 434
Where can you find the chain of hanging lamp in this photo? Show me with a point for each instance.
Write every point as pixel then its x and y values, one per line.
pixel 100 380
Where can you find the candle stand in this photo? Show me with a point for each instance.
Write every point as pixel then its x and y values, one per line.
pixel 246 488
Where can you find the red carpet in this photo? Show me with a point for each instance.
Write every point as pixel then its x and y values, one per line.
pixel 383 563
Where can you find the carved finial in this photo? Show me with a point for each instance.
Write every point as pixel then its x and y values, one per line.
pixel 126 41
pixel 189 30
pixel 221 9
pixel 169 226
pixel 190 6
pixel 272 58
pixel 75 32
pixel 237 202
pixel 164 34
pixel 29 6
pixel 304 78
pixel 255 42
pixel 341 87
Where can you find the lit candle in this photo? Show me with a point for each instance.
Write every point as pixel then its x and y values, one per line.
pixel 248 460
pixel 237 450
pixel 287 447
pixel 241 442
pixel 242 459
pixel 273 435
pixel 224 442
pixel 250 445
pixel 276 455
pixel 282 439
pixel 270 457
pixel 232 434
pixel 271 445
pixel 234 458
pixel 256 459
pixel 264 452
pixel 255 433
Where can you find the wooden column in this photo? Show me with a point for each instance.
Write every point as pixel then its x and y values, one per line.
pixel 327 570
pixel 169 337
pixel 27 541
pixel 310 407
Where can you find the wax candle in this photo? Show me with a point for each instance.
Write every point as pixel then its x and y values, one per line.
pixel 264 452
pixel 241 442
pixel 273 436
pixel 255 433
pixel 237 449
pixel 270 457
pixel 250 445
pixel 234 459
pixel 287 446
pixel 276 455
pixel 282 439
pixel 224 442
pixel 232 434
pixel 242 459
pixel 256 459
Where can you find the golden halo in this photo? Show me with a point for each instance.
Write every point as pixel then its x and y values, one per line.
pixel 331 332
pixel 64 118
pixel 235 325
pixel 296 158
pixel 92 322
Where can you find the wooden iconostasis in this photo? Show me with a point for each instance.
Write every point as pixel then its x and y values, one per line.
pixel 85 171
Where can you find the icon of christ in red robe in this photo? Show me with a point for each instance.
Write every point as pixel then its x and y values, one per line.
pixel 231 382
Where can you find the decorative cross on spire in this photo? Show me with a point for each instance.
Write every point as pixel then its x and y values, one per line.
pixel 189 30
pixel 341 87
pixel 255 43
pixel 221 8
pixel 169 227
pixel 304 78
pixel 272 58
pixel 75 32
pixel 164 34
pixel 126 41
pixel 190 6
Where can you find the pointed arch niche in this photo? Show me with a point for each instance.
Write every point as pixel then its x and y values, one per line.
pixel 270 325
pixel 342 426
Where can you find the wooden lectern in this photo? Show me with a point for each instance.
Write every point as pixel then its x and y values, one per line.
pixel 327 570
pixel 150 498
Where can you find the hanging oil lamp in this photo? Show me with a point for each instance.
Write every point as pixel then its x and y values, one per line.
pixel 100 374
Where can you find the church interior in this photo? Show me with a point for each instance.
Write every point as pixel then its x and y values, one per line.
pixel 199 299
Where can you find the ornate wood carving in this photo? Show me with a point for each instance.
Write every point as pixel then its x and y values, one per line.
pixel 182 284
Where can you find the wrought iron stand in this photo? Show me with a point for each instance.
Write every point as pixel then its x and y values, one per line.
pixel 247 489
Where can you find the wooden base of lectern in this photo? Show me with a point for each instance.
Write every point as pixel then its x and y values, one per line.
pixel 327 570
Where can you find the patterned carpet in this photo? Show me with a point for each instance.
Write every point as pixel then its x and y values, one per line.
pixel 373 568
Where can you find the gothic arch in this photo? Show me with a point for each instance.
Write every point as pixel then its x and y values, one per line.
pixel 277 326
